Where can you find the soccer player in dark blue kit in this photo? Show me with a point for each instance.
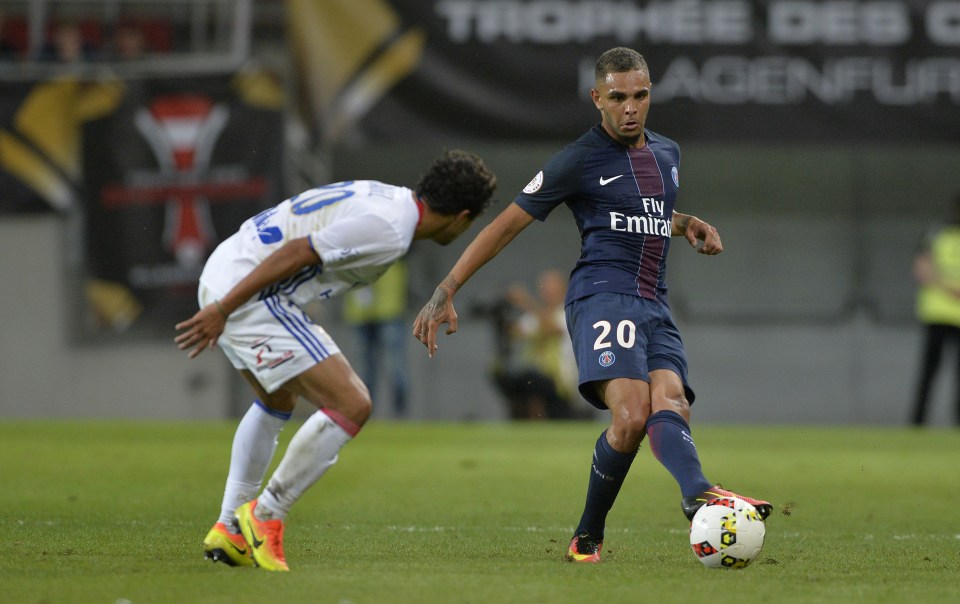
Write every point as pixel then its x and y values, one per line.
pixel 620 180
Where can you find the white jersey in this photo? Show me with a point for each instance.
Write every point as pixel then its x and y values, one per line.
pixel 358 228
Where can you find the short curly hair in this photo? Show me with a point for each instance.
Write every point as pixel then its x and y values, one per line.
pixel 455 182
pixel 619 60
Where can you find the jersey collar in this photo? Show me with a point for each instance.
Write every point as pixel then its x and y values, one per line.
pixel 419 202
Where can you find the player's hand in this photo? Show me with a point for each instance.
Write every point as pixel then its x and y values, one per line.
pixel 698 230
pixel 438 311
pixel 201 330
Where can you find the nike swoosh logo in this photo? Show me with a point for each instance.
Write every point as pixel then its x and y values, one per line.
pixel 242 552
pixel 256 542
pixel 606 181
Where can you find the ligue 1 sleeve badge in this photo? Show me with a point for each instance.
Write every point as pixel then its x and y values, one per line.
pixel 675 175
pixel 607 358
pixel 534 185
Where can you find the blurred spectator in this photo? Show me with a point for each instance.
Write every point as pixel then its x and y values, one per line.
pixel 936 268
pixel 538 374
pixel 129 41
pixel 7 49
pixel 67 44
pixel 377 314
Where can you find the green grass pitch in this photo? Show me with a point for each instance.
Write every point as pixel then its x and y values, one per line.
pixel 111 512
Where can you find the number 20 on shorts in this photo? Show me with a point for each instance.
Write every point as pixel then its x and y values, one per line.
pixel 626 334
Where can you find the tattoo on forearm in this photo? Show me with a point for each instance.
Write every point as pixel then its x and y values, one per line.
pixel 451 283
pixel 441 295
pixel 679 223
pixel 438 299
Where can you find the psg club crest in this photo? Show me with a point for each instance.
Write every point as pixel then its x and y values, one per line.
pixel 607 358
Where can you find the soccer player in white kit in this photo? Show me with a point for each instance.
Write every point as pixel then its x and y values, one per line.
pixel 315 245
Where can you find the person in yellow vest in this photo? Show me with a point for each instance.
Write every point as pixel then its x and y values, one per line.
pixel 936 268
pixel 541 382
pixel 377 314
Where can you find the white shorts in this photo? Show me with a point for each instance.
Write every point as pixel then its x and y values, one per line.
pixel 272 338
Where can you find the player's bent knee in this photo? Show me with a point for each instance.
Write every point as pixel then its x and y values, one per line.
pixel 348 425
pixel 361 408
pixel 677 404
pixel 355 407
pixel 629 427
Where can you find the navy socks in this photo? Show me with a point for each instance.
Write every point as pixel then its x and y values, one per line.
pixel 673 446
pixel 607 472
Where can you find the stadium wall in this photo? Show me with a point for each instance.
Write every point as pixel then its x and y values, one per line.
pixel 805 318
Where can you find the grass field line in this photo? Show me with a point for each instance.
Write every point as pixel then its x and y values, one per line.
pixel 568 530
pixel 415 528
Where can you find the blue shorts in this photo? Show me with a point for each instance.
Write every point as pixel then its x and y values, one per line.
pixel 622 336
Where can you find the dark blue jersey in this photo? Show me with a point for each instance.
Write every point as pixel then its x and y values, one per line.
pixel 622 199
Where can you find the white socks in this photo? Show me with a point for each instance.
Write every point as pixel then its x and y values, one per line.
pixel 313 449
pixel 253 446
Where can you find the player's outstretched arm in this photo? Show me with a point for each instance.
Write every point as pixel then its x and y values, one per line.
pixel 487 244
pixel 201 331
pixel 693 230
pixel 437 311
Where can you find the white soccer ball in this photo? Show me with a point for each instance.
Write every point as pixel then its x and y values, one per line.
pixel 727 533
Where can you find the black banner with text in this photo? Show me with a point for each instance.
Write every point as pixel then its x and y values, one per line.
pixel 830 71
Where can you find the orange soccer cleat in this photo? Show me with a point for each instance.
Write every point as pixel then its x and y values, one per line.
pixel 265 538
pixel 691 504
pixel 584 549
pixel 220 545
